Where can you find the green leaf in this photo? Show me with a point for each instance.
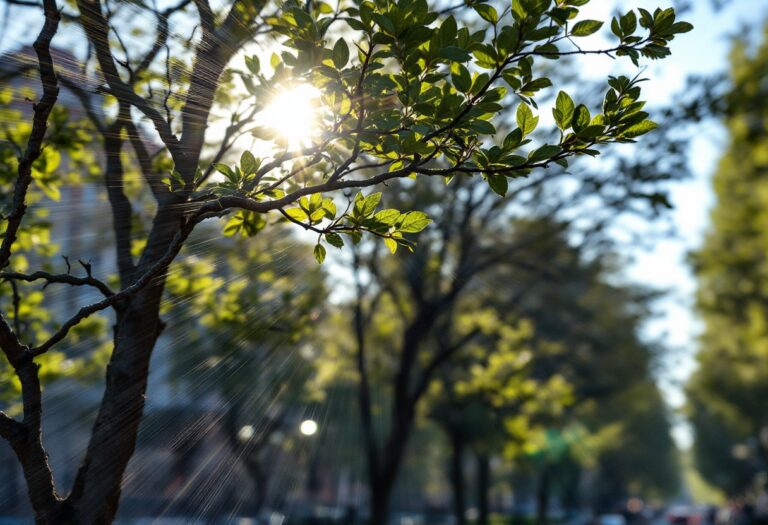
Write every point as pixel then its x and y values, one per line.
pixel 233 226
pixel 525 119
pixel 518 11
pixel 297 214
pixel 224 170
pixel 499 184
pixel 564 108
pixel 447 31
pixel 319 253
pixel 586 27
pixel 483 127
pixel 248 163
pixel 545 152
pixel 455 53
pixel 461 78
pixel 581 118
pixel 413 222
pixel 370 203
pixel 252 63
pixel 487 13
pixel 340 54
pixel 391 244
pixel 628 23
pixel 535 85
pixel 388 216
pixel 640 129
pixel 334 239
pixel 329 207
pixel 681 27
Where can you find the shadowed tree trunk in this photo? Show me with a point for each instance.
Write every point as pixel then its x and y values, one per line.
pixel 542 497
pixel 483 488
pixel 96 492
pixel 457 477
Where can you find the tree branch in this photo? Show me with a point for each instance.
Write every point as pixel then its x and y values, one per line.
pixel 63 278
pixel 10 429
pixel 122 211
pixel 160 266
pixel 97 30
pixel 39 126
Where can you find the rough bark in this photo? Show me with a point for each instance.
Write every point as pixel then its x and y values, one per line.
pixel 96 493
pixel 27 444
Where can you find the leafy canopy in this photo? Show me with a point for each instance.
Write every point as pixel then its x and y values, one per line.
pixel 408 91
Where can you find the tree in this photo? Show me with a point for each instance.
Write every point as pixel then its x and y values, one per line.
pixel 404 104
pixel 488 399
pixel 726 391
pixel 416 321
pixel 609 368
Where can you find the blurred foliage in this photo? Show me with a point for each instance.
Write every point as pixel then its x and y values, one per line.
pixel 245 338
pixel 726 393
pixel 66 161
pixel 616 424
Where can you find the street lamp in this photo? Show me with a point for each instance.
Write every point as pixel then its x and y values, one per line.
pixel 245 433
pixel 308 427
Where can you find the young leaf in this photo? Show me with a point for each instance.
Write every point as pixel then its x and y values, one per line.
pixel 370 203
pixel 334 239
pixel 565 107
pixel 319 253
pixel 413 222
pixel 248 163
pixel 388 216
pixel 525 119
pixel 340 54
pixel 391 244
pixel 586 27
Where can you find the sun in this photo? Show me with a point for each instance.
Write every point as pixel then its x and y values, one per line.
pixel 293 114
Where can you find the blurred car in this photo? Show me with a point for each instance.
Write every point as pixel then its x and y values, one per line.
pixel 683 515
pixel 611 519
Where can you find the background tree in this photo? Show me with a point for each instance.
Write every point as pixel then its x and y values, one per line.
pixel 610 370
pixel 437 297
pixel 726 390
pixel 486 398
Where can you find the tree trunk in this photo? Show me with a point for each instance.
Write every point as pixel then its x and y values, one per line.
pixel 382 483
pixel 542 498
pixel 457 477
pixel 381 493
pixel 483 488
pixel 97 488
pixel 27 444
